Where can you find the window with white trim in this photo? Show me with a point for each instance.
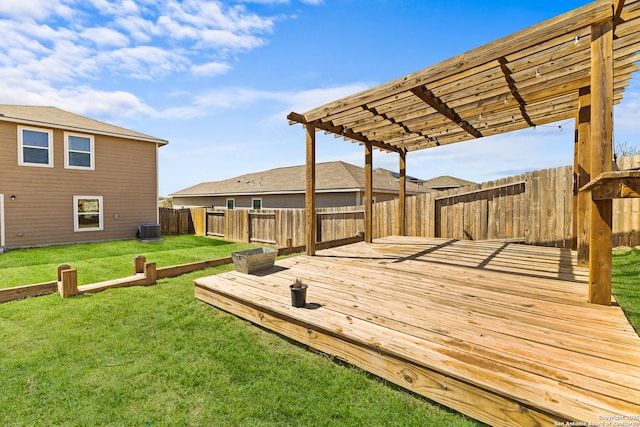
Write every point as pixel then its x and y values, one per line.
pixel 88 213
pixel 35 147
pixel 256 203
pixel 231 203
pixel 78 151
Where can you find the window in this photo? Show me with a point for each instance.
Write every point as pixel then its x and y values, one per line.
pixel 256 203
pixel 231 203
pixel 87 213
pixel 35 147
pixel 78 151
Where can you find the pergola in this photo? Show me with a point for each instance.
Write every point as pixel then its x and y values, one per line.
pixel 574 66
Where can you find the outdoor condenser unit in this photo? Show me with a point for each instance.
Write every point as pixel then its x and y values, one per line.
pixel 149 231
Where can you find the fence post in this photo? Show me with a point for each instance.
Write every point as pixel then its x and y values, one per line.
pixel 61 268
pixel 68 285
pixel 247 219
pixel 138 264
pixel 150 273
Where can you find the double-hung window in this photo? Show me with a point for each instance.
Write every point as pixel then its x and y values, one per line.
pixel 78 151
pixel 88 213
pixel 35 147
pixel 231 203
pixel 256 203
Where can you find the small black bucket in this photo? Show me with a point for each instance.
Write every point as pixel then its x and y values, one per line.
pixel 298 295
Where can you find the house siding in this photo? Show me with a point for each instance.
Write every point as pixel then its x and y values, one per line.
pixel 42 211
pixel 280 201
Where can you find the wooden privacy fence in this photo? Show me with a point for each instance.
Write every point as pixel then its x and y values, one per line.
pixel 175 221
pixel 626 212
pixel 535 208
pixel 280 227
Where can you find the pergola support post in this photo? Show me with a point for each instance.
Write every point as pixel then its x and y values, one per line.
pixel 582 175
pixel 402 194
pixel 310 190
pixel 600 153
pixel 368 192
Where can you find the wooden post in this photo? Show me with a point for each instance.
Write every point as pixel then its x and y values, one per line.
pixel 246 218
pixel 582 175
pixel 368 192
pixel 150 273
pixel 138 264
pixel 310 191
pixel 402 194
pixel 600 151
pixel 68 285
pixel 61 268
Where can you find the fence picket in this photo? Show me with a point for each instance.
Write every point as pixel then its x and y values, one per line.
pixel 536 208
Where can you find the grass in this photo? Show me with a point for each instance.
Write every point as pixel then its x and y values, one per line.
pixel 626 284
pixel 156 356
pixel 96 262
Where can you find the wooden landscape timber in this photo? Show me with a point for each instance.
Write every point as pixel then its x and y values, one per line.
pixel 499 331
pixel 145 274
pixel 28 291
pixel 572 67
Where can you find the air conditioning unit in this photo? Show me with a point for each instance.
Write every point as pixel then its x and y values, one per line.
pixel 149 232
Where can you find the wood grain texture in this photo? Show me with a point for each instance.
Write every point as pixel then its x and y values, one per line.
pixel 502 332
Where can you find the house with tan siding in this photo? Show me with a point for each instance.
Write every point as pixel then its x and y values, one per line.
pixel 337 184
pixel 66 178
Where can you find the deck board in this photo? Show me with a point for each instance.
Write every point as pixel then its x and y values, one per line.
pixel 501 332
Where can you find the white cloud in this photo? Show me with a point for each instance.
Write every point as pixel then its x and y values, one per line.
pixel 141 30
pixel 303 101
pixel 115 104
pixel 142 62
pixel 58 52
pixel 81 100
pixel 105 37
pixel 147 39
pixel 311 2
pixel 222 39
pixel 117 7
pixel 35 9
pixel 265 1
pixel 210 69
pixel 232 97
pixel 214 14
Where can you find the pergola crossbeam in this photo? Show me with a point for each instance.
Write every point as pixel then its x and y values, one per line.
pixel 434 102
pixel 342 131
pixel 514 91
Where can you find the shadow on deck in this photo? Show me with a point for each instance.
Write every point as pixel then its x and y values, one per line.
pixel 501 332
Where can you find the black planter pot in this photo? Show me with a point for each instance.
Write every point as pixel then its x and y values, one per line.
pixel 298 295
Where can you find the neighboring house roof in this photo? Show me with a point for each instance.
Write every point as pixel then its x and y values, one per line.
pixel 445 181
pixel 60 119
pixel 330 177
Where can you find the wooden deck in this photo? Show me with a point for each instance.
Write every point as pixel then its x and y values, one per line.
pixel 499 331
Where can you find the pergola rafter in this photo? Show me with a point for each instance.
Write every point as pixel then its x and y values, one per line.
pixel 531 78
pixel 436 103
pixel 504 65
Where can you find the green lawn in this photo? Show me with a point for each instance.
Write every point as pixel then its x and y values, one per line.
pixel 156 356
pixel 626 284
pixel 96 262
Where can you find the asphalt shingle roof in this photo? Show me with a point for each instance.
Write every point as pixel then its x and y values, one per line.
pixel 60 119
pixel 330 176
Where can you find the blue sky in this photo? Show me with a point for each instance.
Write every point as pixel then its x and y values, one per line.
pixel 217 78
